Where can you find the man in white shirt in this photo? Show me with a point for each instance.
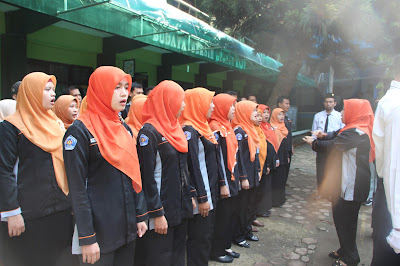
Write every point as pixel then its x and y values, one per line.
pixel 386 208
pixel 327 120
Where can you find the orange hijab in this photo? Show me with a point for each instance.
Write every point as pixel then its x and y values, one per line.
pixel 134 119
pixel 198 102
pixel 219 122
pixel 263 144
pixel 160 110
pixel 358 114
pixel 115 143
pixel 42 127
pixel 268 129
pixel 244 109
pixel 83 107
pixel 279 127
pixel 61 108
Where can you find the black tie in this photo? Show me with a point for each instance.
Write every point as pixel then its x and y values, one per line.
pixel 326 123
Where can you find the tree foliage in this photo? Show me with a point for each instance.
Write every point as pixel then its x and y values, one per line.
pixel 345 34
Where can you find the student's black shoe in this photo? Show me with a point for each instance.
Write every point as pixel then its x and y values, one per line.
pixel 233 254
pixel 251 237
pixel 334 255
pixel 242 244
pixel 223 259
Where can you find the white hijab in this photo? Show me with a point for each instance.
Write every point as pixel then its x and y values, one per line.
pixel 7 107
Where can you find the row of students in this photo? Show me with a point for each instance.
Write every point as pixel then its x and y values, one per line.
pixel 94 170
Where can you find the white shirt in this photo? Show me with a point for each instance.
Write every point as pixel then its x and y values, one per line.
pixel 386 135
pixel 334 121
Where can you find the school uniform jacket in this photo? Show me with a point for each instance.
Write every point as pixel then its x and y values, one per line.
pixel 165 178
pixel 106 207
pixel 203 167
pixel 288 124
pixel 225 173
pixel 34 191
pixel 247 169
pixel 284 153
pixel 270 161
pixel 352 146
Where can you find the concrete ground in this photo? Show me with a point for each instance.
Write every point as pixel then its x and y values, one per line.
pixel 302 232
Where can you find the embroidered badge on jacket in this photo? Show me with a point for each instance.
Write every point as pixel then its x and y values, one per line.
pixel 188 135
pixel 143 140
pixel 70 143
pixel 239 136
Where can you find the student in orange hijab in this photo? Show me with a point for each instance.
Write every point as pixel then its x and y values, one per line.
pixel 351 149
pixel 135 119
pixel 220 123
pixel 162 149
pixel 66 108
pixel 278 181
pixel 265 191
pixel 83 106
pixel 203 169
pixel 248 167
pixel 33 192
pixel 103 174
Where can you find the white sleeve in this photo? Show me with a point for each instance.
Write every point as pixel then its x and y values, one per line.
pixel 6 214
pixel 378 135
pixel 392 180
pixel 315 123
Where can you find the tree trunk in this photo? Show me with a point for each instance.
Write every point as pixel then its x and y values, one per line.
pixel 287 78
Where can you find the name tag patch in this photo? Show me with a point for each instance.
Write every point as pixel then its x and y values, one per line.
pixel 92 140
pixel 70 143
pixel 143 140
pixel 188 135
pixel 239 136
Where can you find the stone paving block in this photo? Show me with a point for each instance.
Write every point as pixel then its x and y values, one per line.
pixel 303 201
pixel 291 256
pixel 301 251
pixel 296 189
pixel 297 197
pixel 309 240
pixel 277 261
pixel 312 247
pixel 299 218
pixel 305 258
pixel 326 214
pixel 285 215
pixel 322 228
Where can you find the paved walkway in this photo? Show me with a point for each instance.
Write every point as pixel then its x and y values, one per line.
pixel 302 231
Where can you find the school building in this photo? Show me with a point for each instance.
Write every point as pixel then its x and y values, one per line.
pixel 151 40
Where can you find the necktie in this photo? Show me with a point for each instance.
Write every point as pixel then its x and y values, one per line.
pixel 326 123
